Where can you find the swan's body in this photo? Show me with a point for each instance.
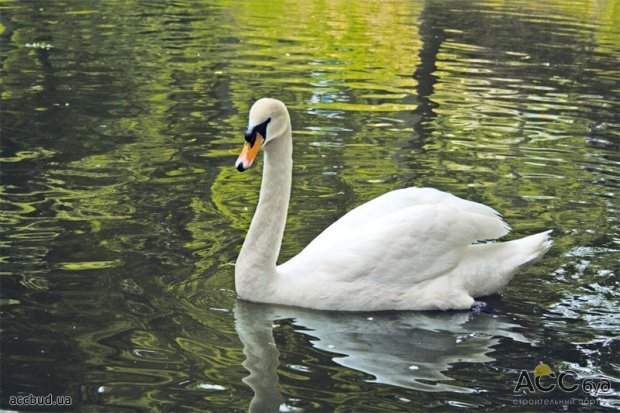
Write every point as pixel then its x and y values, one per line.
pixel 409 249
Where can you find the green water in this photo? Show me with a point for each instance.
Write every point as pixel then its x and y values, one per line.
pixel 122 212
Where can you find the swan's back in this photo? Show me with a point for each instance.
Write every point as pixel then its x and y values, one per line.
pixel 486 220
pixel 416 240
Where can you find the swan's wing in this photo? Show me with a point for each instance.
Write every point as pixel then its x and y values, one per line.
pixel 417 233
pixel 399 199
pixel 385 204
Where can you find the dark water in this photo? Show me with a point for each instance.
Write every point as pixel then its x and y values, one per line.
pixel 122 213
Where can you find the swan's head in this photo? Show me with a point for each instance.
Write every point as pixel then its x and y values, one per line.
pixel 268 121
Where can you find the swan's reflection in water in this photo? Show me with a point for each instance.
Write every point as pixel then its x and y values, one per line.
pixel 406 349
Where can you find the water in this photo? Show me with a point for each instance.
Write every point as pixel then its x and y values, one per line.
pixel 123 213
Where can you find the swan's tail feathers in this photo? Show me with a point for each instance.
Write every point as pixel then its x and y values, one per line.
pixel 491 266
pixel 534 246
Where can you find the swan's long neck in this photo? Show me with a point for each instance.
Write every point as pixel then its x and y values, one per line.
pixel 256 264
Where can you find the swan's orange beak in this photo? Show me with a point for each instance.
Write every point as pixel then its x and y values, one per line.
pixel 248 153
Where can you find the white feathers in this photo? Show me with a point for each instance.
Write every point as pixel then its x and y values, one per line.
pixel 409 249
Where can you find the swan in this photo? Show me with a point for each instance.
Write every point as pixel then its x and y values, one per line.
pixel 409 249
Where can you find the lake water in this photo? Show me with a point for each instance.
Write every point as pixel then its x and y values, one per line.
pixel 122 212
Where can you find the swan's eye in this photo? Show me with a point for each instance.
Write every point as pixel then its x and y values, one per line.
pixel 252 145
pixel 250 136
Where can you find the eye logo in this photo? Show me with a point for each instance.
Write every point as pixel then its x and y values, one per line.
pixel 542 370
pixel 546 380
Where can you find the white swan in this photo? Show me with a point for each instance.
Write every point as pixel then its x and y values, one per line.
pixel 409 249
